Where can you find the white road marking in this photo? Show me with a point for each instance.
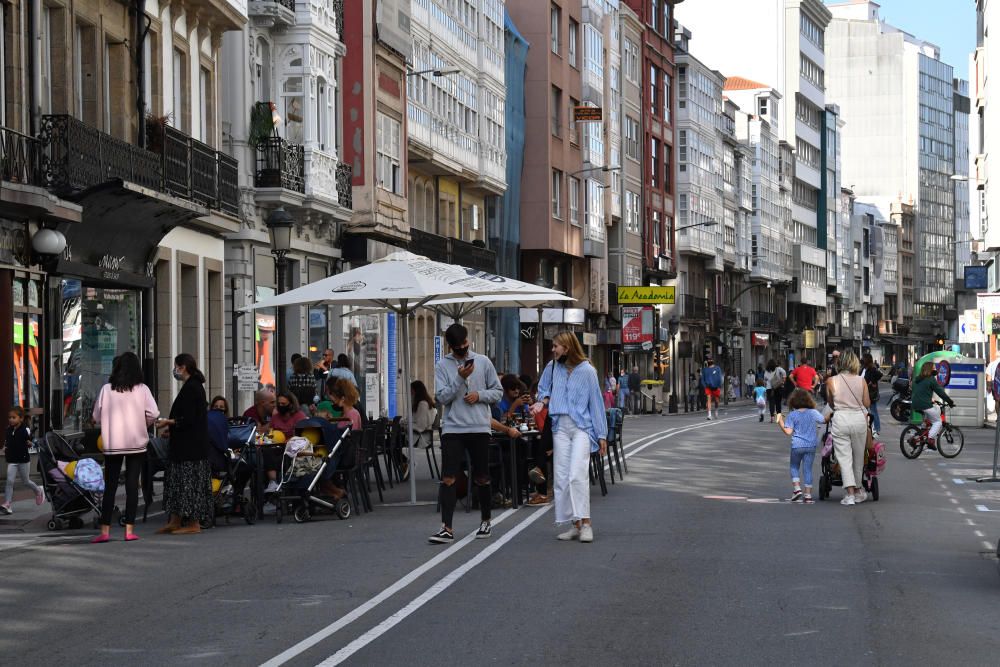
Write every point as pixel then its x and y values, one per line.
pixel 971 522
pixel 349 618
pixel 801 634
pixel 948 493
pixel 957 480
pixel 954 501
pixel 961 510
pixel 984 508
pixel 979 533
pixel 989 547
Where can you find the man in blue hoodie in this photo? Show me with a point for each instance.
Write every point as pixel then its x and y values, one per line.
pixel 466 385
pixel 711 379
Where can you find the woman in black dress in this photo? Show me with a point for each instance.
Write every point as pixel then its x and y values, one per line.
pixel 187 493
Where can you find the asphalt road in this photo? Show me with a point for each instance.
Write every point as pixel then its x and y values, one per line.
pixel 695 562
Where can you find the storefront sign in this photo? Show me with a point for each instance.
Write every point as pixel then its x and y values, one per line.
pixel 809 339
pixel 651 295
pixel 637 328
pixel 760 339
pixel 247 378
pixel 585 114
pixel 437 349
pixel 13 243
pixel 589 338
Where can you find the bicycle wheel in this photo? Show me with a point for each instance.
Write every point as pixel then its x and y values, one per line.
pixel 911 442
pixel 951 441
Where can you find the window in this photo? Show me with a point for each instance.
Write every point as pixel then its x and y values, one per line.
pixel 806 196
pixel 811 72
pixel 574 201
pixel 205 93
pixel 630 58
pixel 807 153
pixel 574 31
pixel 667 180
pixel 682 146
pixel 631 212
pixel 554 18
pixel 654 90
pixel 594 211
pixel 682 87
pixel 654 15
pixel 654 162
pixel 631 138
pixel 46 44
pixel 556 110
pixel 666 97
pixel 806 112
pixel 557 194
pixel 811 30
pixel 85 74
pixel 574 130
pixel 388 173
pixel 180 79
pixel 762 106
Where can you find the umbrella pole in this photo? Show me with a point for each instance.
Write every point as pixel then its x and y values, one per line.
pixel 403 330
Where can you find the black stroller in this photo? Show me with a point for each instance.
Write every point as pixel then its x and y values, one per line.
pixel 70 502
pixel 301 474
pixel 232 469
pixel 830 475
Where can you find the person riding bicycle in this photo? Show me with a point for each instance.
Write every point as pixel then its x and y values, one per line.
pixel 924 388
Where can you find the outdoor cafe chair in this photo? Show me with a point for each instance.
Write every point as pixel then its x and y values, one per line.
pixel 615 445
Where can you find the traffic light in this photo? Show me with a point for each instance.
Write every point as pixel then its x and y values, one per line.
pixel 656 362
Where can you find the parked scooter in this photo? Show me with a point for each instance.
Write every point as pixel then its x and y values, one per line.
pixel 901 404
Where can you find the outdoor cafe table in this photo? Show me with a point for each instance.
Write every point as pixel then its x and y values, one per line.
pixel 515 495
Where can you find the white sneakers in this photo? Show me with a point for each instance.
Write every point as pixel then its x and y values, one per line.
pixel 272 487
pixel 861 496
pixel 847 500
pixel 585 534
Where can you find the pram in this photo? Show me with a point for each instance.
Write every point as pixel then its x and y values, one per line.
pixel 830 469
pixel 70 501
pixel 231 472
pixel 301 472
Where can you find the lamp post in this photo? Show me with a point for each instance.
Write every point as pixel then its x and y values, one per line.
pixel 673 325
pixel 279 227
pixel 541 282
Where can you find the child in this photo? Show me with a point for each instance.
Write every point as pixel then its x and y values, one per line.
pixel 760 397
pixel 802 421
pixel 18 458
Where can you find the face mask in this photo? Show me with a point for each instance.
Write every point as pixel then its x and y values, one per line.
pixel 284 409
pixel 177 375
pixel 460 351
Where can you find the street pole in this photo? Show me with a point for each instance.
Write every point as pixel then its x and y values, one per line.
pixel 541 345
pixel 281 265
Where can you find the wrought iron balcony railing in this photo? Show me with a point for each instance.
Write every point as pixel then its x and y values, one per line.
pixel 693 307
pixel 78 156
pixel 280 165
pixel 455 251
pixel 345 196
pixel 20 158
pixel 763 320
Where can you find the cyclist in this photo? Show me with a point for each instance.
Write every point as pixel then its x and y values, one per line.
pixel 924 388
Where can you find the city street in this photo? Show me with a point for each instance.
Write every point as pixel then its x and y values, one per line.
pixel 695 561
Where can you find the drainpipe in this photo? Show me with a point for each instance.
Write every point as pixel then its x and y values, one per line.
pixel 142 23
pixel 34 67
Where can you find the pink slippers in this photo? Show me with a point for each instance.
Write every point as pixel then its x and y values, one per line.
pixel 131 538
pixel 101 539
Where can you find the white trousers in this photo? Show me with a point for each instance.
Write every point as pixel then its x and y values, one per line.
pixel 571 465
pixel 850 433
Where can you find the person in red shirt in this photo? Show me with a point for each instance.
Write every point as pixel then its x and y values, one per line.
pixel 804 376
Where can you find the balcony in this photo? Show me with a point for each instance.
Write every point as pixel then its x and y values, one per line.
pixel 727 318
pixel 453 251
pixel 345 189
pixel 694 308
pixel 280 165
pixel 760 319
pixel 21 158
pixel 272 13
pixel 78 157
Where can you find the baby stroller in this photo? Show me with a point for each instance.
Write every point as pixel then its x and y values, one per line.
pixel 232 469
pixel 71 499
pixel 830 469
pixel 316 447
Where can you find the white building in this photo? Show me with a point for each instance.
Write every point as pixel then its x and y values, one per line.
pixel 281 121
pixel 897 98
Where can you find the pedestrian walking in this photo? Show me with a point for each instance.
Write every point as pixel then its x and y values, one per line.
pixel 749 384
pixel 466 385
pixel 774 378
pixel 623 393
pixel 635 390
pixel 760 398
pixel 610 389
pixel 569 388
pixel 124 409
pixel 187 489
pixel 711 378
pixel 801 423
pixel 847 394
pixel 872 376
pixel 18 457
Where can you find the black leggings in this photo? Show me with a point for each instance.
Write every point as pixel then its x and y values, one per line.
pixel 453 448
pixel 774 400
pixel 112 471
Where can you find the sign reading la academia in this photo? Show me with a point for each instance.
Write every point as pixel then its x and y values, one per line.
pixel 647 295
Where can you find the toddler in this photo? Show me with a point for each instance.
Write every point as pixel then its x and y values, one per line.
pixel 760 397
pixel 801 423
pixel 18 458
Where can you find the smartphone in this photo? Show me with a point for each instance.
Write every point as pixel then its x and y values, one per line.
pixel 468 363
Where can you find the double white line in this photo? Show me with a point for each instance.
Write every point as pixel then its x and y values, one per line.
pixel 446 581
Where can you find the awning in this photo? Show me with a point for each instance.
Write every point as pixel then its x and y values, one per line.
pixel 900 340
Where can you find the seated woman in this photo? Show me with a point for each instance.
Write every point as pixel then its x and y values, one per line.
pixel 218 434
pixel 286 415
pixel 327 409
pixel 343 395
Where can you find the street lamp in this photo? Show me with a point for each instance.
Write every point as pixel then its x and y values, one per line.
pixel 707 223
pixel 436 72
pixel 279 227
pixel 729 342
pixel 673 325
pixel 601 169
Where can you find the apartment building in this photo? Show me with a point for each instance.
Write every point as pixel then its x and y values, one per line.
pixel 282 75
pixel 901 149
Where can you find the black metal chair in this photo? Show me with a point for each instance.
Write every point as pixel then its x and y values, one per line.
pixel 353 471
pixel 615 445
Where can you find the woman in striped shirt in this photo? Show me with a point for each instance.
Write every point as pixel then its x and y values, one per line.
pixel 569 386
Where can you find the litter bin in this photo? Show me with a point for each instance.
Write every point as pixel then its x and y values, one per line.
pixel 652 396
pixel 963 378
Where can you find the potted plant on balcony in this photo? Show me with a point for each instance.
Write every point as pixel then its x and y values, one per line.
pixel 156 128
pixel 264 121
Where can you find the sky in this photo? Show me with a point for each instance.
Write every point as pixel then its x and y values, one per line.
pixel 950 24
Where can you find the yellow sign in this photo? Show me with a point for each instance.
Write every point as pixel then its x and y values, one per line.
pixel 647 295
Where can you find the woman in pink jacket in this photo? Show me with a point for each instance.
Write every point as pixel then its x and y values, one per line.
pixel 125 409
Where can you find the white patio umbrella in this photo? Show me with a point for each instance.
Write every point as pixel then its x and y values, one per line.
pixel 403 282
pixel 459 308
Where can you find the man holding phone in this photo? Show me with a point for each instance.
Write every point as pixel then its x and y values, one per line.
pixel 466 386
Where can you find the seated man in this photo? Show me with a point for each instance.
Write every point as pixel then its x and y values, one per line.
pixel 262 409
